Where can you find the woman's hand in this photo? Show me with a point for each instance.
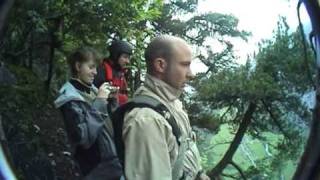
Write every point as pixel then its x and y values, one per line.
pixel 104 90
pixel 107 91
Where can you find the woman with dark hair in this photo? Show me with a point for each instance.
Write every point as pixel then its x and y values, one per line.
pixel 84 109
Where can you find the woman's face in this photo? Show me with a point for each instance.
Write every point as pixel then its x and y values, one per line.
pixel 86 71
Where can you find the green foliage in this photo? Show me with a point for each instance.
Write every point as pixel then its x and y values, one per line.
pixel 276 80
pixel 42 33
pixel 19 119
pixel 284 60
pixel 33 129
pixel 37 27
pixel 42 30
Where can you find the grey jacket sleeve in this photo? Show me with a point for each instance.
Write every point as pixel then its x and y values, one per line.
pixel 83 127
pixel 100 104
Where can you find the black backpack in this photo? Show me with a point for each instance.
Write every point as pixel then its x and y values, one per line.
pixel 142 101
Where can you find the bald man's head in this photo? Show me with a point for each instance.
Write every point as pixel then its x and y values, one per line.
pixel 163 46
pixel 168 59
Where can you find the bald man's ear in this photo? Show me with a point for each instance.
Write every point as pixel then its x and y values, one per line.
pixel 160 65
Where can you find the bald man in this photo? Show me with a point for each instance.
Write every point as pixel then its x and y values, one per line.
pixel 152 150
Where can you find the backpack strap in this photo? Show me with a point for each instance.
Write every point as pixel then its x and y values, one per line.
pixel 150 102
pixel 140 102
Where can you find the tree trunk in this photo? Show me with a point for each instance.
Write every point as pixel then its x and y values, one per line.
pixel 137 80
pixel 310 160
pixel 55 41
pixel 227 158
pixel 30 51
pixel 51 58
pixel 5 6
pixel 4 145
pixel 309 165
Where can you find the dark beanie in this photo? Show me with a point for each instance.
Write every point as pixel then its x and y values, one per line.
pixel 117 48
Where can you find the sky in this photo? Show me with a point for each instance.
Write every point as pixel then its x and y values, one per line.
pixel 256 16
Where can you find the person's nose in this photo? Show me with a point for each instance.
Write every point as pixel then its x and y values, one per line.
pixel 94 71
pixel 190 74
pixel 127 61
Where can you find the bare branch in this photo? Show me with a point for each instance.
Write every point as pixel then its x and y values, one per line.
pixel 229 176
pixel 19 53
pixel 278 124
pixel 238 169
pixel 227 158
pixel 217 144
pixel 229 108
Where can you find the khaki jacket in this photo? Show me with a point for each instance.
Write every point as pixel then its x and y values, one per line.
pixel 151 149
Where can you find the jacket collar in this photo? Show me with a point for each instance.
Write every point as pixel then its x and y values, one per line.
pixel 68 93
pixel 80 85
pixel 161 88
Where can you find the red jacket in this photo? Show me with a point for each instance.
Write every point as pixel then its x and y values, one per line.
pixel 115 77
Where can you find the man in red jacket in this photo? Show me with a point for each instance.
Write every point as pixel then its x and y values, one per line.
pixel 113 69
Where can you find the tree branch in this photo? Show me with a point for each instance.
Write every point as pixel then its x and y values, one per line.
pixel 229 108
pixel 217 144
pixel 274 119
pixel 238 169
pixel 19 53
pixel 227 158
pixel 229 176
